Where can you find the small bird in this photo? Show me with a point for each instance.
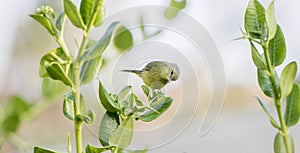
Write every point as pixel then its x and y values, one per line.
pixel 157 74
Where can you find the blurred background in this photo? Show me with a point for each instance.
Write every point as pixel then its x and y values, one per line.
pixel 241 124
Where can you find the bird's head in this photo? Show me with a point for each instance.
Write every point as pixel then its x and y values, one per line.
pixel 174 72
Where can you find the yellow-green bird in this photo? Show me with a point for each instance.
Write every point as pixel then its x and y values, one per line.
pixel 157 74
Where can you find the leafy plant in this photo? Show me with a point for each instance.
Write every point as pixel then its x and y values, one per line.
pixel 18 110
pixel 122 109
pixel 262 30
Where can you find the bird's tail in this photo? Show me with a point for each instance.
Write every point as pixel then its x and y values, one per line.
pixel 137 72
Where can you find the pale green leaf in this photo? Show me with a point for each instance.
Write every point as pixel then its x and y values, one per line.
pixel 106 100
pixel 93 57
pixel 110 122
pixel 121 138
pixel 287 78
pixel 277 48
pixel 123 39
pixel 255 19
pixel 123 93
pixel 279 145
pixel 257 58
pixel 265 83
pixel 73 14
pixel 55 55
pixel 52 88
pixel 174 7
pixel 56 72
pixel 159 109
pixel 45 22
pixel 68 105
pixel 91 149
pixel 271 21
pixel 86 10
pixel 292 111
pixel 268 112
pixel 60 21
pixel 42 150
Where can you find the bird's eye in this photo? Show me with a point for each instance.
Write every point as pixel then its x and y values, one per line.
pixel 172 72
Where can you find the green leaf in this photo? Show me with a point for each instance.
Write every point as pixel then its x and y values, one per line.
pixel 171 13
pixel 93 57
pixel 52 88
pixel 265 83
pixel 173 8
pixel 255 19
pixel 106 100
pixel 131 100
pixel 45 22
pixel 256 57
pixel 12 112
pixel 17 105
pixel 55 55
pixel 110 122
pixel 268 112
pixel 92 149
pixel 277 48
pixel 292 111
pixel 60 21
pixel 138 102
pixel 271 21
pixel 147 91
pixel 68 106
pixel 288 75
pixel 100 13
pixel 123 39
pixel 73 14
pixel 88 117
pixel 42 150
pixel 178 4
pixel 123 93
pixel 90 69
pixel 88 8
pixel 56 72
pixel 97 50
pixel 121 138
pixel 279 145
pixel 10 124
pixel 151 115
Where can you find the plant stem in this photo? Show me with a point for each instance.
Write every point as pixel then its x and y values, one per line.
pixel 77 83
pixel 78 136
pixel 76 94
pixel 77 91
pixel 18 142
pixel 284 130
pixel 277 99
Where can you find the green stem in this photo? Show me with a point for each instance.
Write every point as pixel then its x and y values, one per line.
pixel 76 93
pixel 78 135
pixel 115 150
pixel 277 99
pixel 63 45
pixel 76 80
pixel 284 130
pixel 18 142
pixel 77 90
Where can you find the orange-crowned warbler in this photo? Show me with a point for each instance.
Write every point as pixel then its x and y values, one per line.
pixel 157 74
